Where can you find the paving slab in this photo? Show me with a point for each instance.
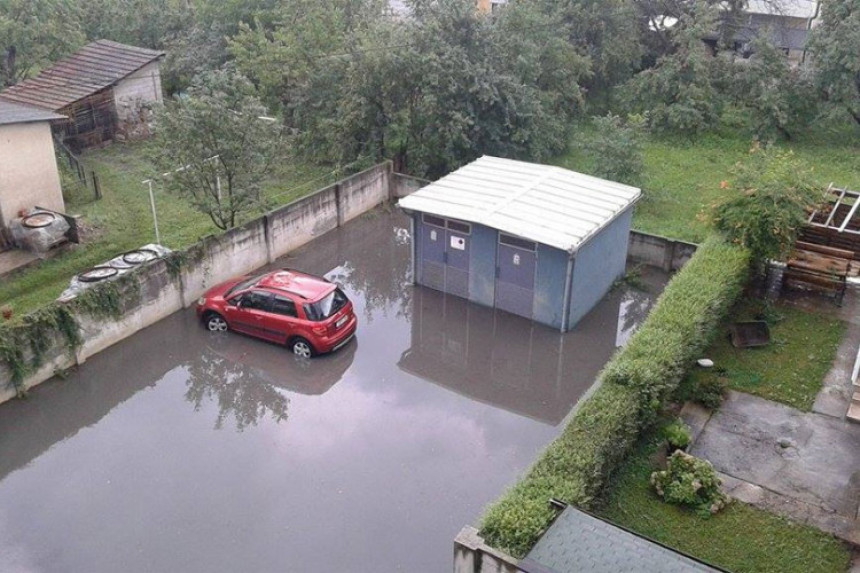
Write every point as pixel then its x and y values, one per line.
pixel 807 457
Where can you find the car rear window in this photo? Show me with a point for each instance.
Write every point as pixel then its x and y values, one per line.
pixel 324 308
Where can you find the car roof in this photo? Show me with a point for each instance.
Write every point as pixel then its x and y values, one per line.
pixel 297 283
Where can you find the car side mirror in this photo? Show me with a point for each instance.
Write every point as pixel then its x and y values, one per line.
pixel 235 301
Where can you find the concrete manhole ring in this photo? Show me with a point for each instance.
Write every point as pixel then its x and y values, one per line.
pixel 96 274
pixel 38 221
pixel 139 256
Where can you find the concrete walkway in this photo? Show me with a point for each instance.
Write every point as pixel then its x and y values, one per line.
pixel 805 466
pixel 834 399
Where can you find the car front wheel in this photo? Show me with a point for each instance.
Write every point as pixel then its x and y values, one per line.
pixel 216 323
pixel 301 348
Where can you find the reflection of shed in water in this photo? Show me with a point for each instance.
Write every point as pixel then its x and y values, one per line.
pixel 508 361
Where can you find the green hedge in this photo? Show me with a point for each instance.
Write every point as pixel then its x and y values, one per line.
pixel 634 386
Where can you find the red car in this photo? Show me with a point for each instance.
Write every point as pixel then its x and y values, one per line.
pixel 309 314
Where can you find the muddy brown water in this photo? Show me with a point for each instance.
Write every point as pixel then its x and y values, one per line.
pixel 180 450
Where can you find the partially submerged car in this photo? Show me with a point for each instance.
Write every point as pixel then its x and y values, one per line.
pixel 307 313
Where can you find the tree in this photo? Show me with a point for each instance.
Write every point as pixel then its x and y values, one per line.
pixel 604 31
pixel 33 34
pixel 215 146
pixel 680 93
pixel 781 98
pixel 616 150
pixel 835 48
pixel 773 193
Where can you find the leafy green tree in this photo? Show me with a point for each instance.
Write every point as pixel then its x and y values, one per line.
pixel 781 98
pixel 773 192
pixel 680 93
pixel 145 23
pixel 604 31
pixel 34 34
pixel 215 146
pixel 617 150
pixel 835 48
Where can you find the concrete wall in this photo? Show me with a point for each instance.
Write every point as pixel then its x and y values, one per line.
pixel 599 263
pixel 472 555
pixel 28 170
pixel 157 293
pixel 667 254
pixel 403 185
pixel 137 89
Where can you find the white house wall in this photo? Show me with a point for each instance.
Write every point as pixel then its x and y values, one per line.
pixel 28 170
pixel 141 87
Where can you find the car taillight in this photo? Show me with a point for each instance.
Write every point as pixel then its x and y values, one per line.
pixel 321 330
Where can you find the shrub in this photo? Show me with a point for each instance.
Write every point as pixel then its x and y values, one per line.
pixel 633 386
pixel 690 481
pixel 682 324
pixel 677 434
pixel 617 150
pixel 710 391
pixel 774 192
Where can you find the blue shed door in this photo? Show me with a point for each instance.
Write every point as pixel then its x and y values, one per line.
pixel 457 248
pixel 445 251
pixel 433 253
pixel 515 278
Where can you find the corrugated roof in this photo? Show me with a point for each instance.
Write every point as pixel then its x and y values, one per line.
pixel 19 113
pixel 542 203
pixel 577 541
pixel 92 68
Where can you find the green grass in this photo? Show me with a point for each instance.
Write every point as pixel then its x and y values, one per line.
pixel 122 219
pixel 682 176
pixel 791 369
pixel 741 538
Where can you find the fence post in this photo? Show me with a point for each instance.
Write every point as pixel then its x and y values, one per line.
pixel 96 187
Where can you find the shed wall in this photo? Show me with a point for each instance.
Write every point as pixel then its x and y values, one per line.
pixel 136 89
pixel 549 286
pixel 28 174
pixel 599 263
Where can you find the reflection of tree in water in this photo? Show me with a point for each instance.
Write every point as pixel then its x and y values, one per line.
pixel 382 279
pixel 239 392
pixel 632 309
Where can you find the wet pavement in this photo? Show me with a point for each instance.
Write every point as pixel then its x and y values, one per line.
pixel 181 450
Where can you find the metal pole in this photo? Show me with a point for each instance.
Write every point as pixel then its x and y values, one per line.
pixel 154 215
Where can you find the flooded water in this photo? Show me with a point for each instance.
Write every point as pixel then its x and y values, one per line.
pixel 180 450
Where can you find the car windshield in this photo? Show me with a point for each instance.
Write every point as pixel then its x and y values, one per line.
pixel 326 307
pixel 245 284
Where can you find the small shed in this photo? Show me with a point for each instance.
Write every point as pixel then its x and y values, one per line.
pixel 28 166
pixel 102 89
pixel 538 241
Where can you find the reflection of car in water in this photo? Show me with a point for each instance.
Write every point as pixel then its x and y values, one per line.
pixel 267 364
pixel 309 314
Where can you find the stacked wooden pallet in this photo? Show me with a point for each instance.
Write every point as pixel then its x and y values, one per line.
pixel 819 268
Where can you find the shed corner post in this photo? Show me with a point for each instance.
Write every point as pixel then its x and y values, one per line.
pixel 568 293
pixel 414 249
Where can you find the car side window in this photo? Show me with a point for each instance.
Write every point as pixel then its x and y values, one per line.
pixel 284 306
pixel 257 300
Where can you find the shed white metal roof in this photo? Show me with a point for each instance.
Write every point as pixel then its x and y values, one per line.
pixel 542 203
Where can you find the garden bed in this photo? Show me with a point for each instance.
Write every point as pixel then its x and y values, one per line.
pixel 740 538
pixel 789 370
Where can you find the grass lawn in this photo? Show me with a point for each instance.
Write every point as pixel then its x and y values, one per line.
pixel 682 176
pixel 122 220
pixel 741 538
pixel 791 369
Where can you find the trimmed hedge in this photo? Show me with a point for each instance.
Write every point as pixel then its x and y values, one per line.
pixel 634 385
